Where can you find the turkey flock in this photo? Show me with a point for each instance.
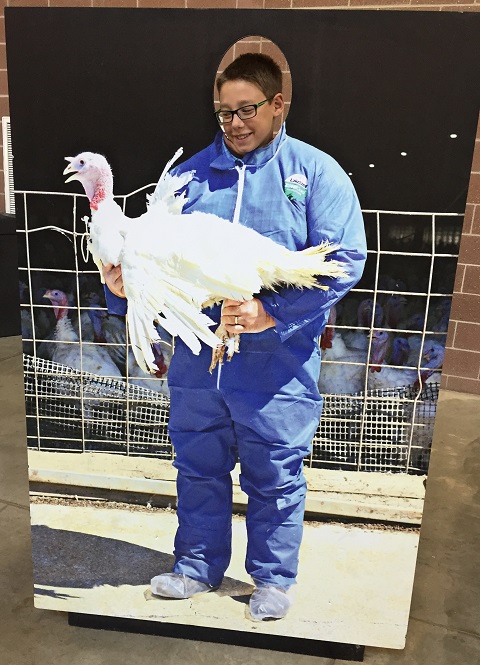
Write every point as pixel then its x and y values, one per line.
pixel 364 346
pixel 94 342
pixel 393 343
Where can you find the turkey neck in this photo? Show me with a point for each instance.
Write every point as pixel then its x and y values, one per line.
pixel 64 330
pixel 98 334
pixel 378 353
pixel 100 190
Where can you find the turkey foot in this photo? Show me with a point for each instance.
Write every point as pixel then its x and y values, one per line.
pixel 229 344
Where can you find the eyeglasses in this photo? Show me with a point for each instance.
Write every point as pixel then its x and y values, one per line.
pixel 245 112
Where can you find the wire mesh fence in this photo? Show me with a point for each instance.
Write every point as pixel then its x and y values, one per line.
pixel 384 430
pixel 72 411
pixel 79 412
pixel 378 411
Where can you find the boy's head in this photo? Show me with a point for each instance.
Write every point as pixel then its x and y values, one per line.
pixel 251 85
pixel 256 68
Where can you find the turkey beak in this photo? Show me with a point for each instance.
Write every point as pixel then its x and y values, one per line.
pixel 70 169
pixel 48 294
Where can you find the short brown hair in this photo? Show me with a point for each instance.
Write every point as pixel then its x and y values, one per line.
pixel 256 68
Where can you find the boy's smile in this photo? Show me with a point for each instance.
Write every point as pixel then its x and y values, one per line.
pixel 243 136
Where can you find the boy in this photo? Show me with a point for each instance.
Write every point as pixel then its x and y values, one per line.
pixel 264 406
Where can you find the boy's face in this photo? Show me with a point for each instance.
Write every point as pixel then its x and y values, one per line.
pixel 242 136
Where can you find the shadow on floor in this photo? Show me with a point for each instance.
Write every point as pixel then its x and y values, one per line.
pixel 78 560
pixel 70 559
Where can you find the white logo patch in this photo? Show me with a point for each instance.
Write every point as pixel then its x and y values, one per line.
pixel 295 187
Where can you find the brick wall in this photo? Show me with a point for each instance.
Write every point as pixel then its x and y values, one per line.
pixel 461 370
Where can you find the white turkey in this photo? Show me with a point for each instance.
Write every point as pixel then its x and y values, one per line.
pixel 400 351
pixel 46 342
pixel 110 329
pixel 172 265
pixel 137 376
pixel 438 318
pixel 68 351
pixel 343 369
pixel 359 339
pixel 394 310
pixel 382 375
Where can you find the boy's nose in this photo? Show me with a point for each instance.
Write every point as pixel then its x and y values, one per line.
pixel 236 122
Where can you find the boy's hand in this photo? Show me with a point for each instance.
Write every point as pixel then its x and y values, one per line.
pixel 247 316
pixel 113 279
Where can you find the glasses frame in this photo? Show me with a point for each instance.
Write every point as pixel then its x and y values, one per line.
pixel 236 112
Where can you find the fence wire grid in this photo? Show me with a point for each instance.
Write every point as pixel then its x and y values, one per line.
pixel 79 413
pixel 367 424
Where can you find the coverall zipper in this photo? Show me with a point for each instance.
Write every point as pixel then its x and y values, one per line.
pixel 241 182
pixel 235 220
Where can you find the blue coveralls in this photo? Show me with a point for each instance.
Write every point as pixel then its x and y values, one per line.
pixel 264 406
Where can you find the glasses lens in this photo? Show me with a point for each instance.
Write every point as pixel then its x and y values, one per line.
pixel 247 112
pixel 224 117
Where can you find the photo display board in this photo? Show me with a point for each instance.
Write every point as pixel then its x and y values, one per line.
pixel 392 96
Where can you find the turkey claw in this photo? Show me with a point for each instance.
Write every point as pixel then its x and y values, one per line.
pixel 217 357
pixel 232 345
pixel 229 344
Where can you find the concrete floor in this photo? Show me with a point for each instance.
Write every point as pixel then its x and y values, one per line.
pixel 97 559
pixel 445 612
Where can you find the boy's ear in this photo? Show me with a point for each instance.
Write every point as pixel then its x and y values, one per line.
pixel 278 104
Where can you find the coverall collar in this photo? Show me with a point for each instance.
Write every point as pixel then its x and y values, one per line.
pixel 226 160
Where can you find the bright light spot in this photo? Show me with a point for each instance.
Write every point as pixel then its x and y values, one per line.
pixel 453 136
pixel 372 166
pixel 404 154
pixel 350 174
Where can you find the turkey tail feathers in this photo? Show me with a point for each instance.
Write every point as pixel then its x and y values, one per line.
pixel 302 269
